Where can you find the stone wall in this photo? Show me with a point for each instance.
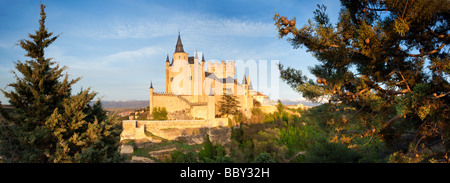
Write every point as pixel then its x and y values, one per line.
pixel 177 103
pixel 200 111
pixel 167 129
pixel 171 102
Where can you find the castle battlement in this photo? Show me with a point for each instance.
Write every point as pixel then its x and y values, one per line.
pixel 222 69
pixel 163 93
pixel 222 64
pixel 181 98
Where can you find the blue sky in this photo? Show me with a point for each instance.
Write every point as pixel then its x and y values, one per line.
pixel 119 46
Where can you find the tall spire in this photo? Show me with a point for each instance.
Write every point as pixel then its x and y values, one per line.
pixel 244 81
pixel 179 46
pixel 167 60
pixel 151 84
pixel 203 57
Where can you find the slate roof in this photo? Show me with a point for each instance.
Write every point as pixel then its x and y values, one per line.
pixel 179 46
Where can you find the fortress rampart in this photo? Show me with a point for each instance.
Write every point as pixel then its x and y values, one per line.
pixel 167 129
pixel 176 103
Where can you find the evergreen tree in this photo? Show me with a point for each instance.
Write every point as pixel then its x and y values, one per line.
pixel 229 104
pixel 264 158
pixel 386 58
pixel 207 153
pixel 48 123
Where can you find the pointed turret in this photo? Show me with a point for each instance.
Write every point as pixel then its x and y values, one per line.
pixel 151 104
pixel 203 57
pixel 195 56
pixel 244 81
pixel 167 60
pixel 179 46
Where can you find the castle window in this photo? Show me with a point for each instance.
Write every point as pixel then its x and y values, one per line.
pixel 171 79
pixel 190 77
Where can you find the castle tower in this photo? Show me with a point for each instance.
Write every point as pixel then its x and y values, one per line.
pixel 167 74
pixel 180 58
pixel 179 53
pixel 150 106
pixel 245 83
pixel 203 78
pixel 195 69
pixel 224 69
pixel 246 97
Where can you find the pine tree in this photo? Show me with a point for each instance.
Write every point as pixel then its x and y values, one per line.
pixel 229 104
pixel 48 123
pixel 386 58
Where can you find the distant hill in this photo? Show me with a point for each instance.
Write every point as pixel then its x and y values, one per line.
pixel 296 101
pixel 125 104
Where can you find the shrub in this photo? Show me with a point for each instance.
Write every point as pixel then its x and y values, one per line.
pixel 326 152
pixel 264 158
pixel 179 157
pixel 159 113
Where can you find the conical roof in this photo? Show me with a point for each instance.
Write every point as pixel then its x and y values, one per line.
pixel 179 46
pixel 244 80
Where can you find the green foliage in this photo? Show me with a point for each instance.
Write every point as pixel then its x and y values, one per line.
pixel 414 155
pixel 401 26
pixel 179 157
pixel 290 138
pixel 280 106
pixel 48 123
pixel 300 158
pixel 90 136
pixel 213 153
pixel 230 123
pixel 257 116
pixel 297 138
pixel 326 152
pixel 370 61
pixel 264 158
pixel 207 153
pixel 228 105
pixel 324 124
pixel 267 142
pixel 417 102
pixel 371 149
pixel 281 135
pixel 159 113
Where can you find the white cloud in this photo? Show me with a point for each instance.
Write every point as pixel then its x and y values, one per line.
pixel 115 61
pixel 150 27
pixel 130 56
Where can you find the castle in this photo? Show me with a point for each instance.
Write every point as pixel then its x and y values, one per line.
pixel 191 92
